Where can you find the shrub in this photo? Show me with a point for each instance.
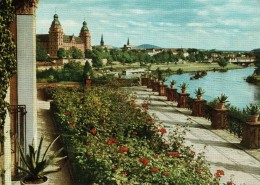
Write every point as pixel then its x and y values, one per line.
pixel 112 140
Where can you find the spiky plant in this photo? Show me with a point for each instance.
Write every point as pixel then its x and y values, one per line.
pixel 35 164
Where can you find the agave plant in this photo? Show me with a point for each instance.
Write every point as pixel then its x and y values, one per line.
pixel 199 91
pixel 35 164
pixel 173 82
pixel 222 98
pixel 253 109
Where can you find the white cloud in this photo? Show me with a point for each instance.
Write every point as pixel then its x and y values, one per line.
pixel 200 24
pixel 138 24
pixel 202 12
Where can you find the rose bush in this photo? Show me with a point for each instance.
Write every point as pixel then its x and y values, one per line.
pixel 112 140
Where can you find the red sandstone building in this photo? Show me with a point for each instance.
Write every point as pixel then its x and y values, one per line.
pixel 56 38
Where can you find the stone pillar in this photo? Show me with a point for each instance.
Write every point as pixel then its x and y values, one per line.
pixel 251 135
pixel 183 100
pixel 198 108
pixel 26 64
pixel 171 94
pixel 162 89
pixel 88 82
pixel 219 119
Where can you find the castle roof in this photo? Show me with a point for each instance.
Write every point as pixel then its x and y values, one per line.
pixel 84 27
pixel 42 37
pixel 55 20
pixel 68 38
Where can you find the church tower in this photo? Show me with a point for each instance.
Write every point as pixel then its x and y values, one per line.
pixel 85 36
pixel 102 41
pixel 55 36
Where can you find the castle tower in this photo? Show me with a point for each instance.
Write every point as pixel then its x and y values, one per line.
pixel 128 42
pixel 55 36
pixel 102 41
pixel 85 36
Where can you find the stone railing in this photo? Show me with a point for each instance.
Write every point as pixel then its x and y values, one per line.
pixel 220 118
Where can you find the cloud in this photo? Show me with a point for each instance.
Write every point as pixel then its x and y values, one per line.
pixel 200 24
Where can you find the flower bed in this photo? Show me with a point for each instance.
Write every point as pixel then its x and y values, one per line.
pixel 111 140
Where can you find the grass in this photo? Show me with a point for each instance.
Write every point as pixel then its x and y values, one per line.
pixel 186 66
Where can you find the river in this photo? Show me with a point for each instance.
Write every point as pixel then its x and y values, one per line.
pixel 231 83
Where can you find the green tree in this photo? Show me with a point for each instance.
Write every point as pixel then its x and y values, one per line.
pixel 41 53
pixel 72 71
pixel 97 61
pixel 222 62
pixel 87 70
pixel 61 53
pixel 76 53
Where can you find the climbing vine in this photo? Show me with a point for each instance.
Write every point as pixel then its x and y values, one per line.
pixel 7 57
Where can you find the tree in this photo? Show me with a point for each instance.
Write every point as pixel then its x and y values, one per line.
pixel 87 70
pixel 61 53
pixel 76 53
pixel 222 62
pixel 41 53
pixel 97 61
pixel 72 71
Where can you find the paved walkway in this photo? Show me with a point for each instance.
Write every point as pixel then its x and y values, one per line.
pixel 47 127
pixel 222 151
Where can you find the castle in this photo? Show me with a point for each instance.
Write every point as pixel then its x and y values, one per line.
pixel 56 39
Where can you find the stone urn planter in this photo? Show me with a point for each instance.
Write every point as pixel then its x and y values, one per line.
pixel 222 99
pixel 36 171
pixel 253 111
pixel 183 87
pixel 199 92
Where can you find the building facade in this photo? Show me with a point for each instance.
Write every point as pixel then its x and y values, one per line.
pixel 56 38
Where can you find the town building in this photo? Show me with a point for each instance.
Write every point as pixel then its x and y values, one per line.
pixel 56 38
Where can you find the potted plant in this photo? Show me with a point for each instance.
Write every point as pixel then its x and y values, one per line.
pixel 183 87
pixel 173 82
pixel 163 81
pixel 253 110
pixel 35 163
pixel 199 92
pixel 221 100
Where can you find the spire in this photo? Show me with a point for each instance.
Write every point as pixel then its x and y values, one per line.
pixel 55 20
pixel 128 42
pixel 102 41
pixel 84 27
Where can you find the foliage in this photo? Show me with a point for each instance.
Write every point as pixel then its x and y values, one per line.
pixel 71 71
pixel 112 140
pixel 76 53
pixel 222 62
pixel 222 98
pixel 7 57
pixel 253 109
pixel 41 53
pixel 36 163
pixel 199 91
pixel 87 70
pixel 184 85
pixel 61 53
pixel 179 71
pixel 173 82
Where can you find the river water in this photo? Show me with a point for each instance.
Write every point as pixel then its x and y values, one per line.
pixel 231 83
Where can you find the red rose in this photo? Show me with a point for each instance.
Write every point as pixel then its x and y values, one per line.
pixel 115 168
pixel 87 154
pixel 149 120
pixel 112 141
pixel 144 160
pixel 163 131
pixel 219 173
pixel 67 113
pixel 174 154
pixel 134 133
pixel 156 157
pixel 88 143
pixel 123 149
pixel 198 171
pixel 93 131
pixel 154 170
pixel 165 173
pixel 123 173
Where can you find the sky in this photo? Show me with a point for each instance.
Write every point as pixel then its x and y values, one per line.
pixel 201 24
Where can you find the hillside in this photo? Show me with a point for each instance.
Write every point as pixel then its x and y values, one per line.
pixel 147 46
